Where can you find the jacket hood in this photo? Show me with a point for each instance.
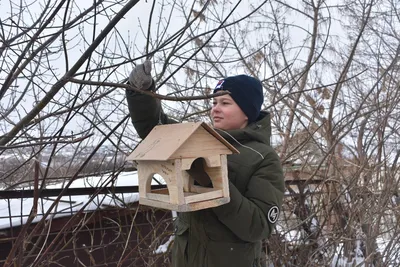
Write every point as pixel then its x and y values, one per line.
pixel 260 130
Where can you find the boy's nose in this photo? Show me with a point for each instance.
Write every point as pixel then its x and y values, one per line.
pixel 215 108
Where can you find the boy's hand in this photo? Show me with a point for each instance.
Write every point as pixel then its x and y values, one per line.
pixel 140 77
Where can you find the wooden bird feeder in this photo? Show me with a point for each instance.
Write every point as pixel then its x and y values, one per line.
pixel 170 150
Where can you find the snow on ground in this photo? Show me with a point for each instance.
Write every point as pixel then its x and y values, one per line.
pixel 15 212
pixel 6 157
pixel 342 261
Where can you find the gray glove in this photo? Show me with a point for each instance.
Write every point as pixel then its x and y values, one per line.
pixel 140 76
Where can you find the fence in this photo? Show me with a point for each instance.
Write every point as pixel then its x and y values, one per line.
pixel 105 226
pixel 104 234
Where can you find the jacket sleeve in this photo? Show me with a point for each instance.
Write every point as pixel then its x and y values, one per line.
pixel 145 111
pixel 252 216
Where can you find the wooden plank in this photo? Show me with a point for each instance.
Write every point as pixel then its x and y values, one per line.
pixel 211 161
pixel 147 169
pixel 188 182
pixel 158 204
pixel 176 190
pixel 204 204
pixel 219 176
pixel 224 176
pixel 187 163
pixel 187 207
pixel 168 170
pixel 203 197
pixel 144 183
pixel 160 144
pixel 158 197
pixel 211 130
pixel 200 189
pixel 163 191
pixel 201 144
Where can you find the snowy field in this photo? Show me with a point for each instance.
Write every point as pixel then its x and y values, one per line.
pixel 15 212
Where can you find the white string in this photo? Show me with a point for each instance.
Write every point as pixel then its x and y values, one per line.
pixel 242 144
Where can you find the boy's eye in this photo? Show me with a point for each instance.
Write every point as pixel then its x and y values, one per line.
pixel 214 103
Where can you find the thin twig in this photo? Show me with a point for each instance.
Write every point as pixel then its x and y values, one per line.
pixel 150 93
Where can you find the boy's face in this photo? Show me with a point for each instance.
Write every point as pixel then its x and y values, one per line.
pixel 226 114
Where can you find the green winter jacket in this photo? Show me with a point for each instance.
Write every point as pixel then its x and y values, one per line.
pixel 231 234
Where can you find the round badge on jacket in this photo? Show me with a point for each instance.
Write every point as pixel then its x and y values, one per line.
pixel 273 214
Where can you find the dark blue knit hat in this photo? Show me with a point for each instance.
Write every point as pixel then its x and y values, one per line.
pixel 246 91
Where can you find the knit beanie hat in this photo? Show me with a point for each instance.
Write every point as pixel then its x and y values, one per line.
pixel 246 91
